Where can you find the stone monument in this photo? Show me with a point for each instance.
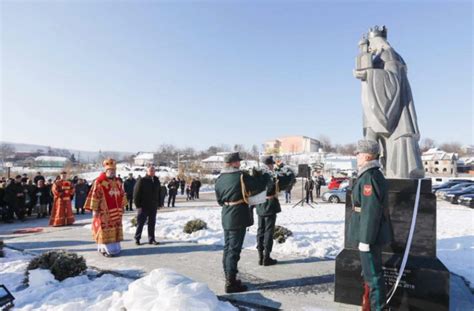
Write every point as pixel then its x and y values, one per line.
pixel 389 118
pixel 388 108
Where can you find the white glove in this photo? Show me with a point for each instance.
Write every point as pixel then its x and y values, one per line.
pixel 364 247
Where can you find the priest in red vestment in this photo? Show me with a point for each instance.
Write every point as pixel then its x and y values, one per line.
pixel 107 200
pixel 63 191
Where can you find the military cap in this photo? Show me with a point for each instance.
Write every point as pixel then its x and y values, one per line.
pixel 268 160
pixel 367 146
pixel 232 157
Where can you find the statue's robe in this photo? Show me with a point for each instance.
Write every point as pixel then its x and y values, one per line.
pixel 390 117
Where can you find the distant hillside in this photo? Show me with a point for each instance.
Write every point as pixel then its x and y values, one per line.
pixel 84 156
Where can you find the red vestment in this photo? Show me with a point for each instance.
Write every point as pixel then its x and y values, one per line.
pixel 107 199
pixel 62 215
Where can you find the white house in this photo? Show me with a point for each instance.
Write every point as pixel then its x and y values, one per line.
pixel 215 162
pixel 51 162
pixel 144 158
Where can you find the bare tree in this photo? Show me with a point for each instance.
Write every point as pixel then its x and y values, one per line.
pixel 427 143
pixel 326 143
pixel 452 147
pixel 6 150
pixel 255 151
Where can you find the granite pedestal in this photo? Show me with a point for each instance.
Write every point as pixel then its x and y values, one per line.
pixel 425 281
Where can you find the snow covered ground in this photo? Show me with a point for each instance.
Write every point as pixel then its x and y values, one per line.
pixel 319 232
pixel 161 289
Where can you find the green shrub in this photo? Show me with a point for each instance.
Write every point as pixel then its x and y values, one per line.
pixel 281 234
pixel 194 225
pixel 133 221
pixel 62 264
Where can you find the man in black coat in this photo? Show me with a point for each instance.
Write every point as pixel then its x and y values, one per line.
pixel 147 200
pixel 31 192
pixel 4 209
pixel 42 198
pixel 319 183
pixel 128 186
pixel 198 185
pixel 49 185
pixel 182 184
pixel 38 177
pixel 81 192
pixel 172 191
pixel 15 196
pixel 309 186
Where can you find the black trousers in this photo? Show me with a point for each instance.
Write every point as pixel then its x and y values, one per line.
pixel 142 216
pixel 233 241
pixel 129 202
pixel 372 271
pixel 266 228
pixel 309 196
pixel 197 193
pixel 171 199
pixel 318 191
pixel 8 213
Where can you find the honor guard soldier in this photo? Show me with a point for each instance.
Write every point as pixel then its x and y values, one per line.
pixel 369 225
pixel 233 188
pixel 267 211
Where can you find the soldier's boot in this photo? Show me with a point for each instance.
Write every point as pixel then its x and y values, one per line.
pixel 260 257
pixel 269 261
pixel 365 298
pixel 233 286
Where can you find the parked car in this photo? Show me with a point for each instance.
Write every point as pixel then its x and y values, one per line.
pixel 453 196
pixel 336 182
pixel 441 192
pixel 467 200
pixel 450 183
pixel 335 196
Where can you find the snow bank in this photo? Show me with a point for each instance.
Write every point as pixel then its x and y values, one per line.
pixel 45 293
pixel 455 239
pixel 164 289
pixel 317 232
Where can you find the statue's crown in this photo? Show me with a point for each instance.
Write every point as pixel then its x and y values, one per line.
pixel 377 31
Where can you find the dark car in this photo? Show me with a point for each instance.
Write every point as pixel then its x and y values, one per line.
pixel 467 200
pixel 450 183
pixel 441 192
pixel 453 196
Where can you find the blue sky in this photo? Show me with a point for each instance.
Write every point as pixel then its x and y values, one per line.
pixel 132 75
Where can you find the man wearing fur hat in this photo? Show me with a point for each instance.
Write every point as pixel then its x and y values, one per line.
pixel 369 225
pixel 233 189
pixel 107 200
pixel 62 190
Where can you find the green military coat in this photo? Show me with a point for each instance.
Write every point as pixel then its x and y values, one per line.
pixel 275 184
pixel 229 189
pixel 370 221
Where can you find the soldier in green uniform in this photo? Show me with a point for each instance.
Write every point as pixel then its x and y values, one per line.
pixel 233 187
pixel 369 225
pixel 267 212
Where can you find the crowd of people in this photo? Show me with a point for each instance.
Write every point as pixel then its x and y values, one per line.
pixel 26 196
pixel 23 196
